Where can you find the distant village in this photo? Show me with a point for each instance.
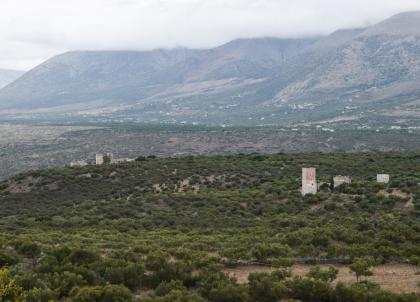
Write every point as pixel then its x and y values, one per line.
pixel 101 159
pixel 311 186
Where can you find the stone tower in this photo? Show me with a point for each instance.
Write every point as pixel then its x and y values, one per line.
pixel 99 159
pixel 309 184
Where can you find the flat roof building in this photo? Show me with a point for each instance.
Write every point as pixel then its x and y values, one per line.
pixel 382 178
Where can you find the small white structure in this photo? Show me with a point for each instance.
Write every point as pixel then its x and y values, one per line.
pixel 309 184
pixel 78 163
pixel 382 178
pixel 99 159
pixel 122 160
pixel 341 180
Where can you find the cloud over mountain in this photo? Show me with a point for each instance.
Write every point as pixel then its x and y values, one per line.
pixel 32 31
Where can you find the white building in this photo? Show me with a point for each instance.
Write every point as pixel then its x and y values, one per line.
pixel 78 163
pixel 122 160
pixel 382 178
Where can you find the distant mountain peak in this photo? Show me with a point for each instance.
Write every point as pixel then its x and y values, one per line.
pixel 402 24
pixel 405 15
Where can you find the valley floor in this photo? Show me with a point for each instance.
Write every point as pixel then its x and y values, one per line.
pixel 27 147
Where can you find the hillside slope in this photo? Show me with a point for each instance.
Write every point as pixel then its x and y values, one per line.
pixel 118 77
pixel 8 76
pixel 380 63
pixel 40 188
pixel 170 227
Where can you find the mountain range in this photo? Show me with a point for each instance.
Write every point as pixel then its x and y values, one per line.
pixel 7 76
pixel 365 76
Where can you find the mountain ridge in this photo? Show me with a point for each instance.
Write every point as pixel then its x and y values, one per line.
pixel 87 70
pixel 7 76
pixel 365 73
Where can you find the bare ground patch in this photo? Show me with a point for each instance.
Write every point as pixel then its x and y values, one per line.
pixel 393 277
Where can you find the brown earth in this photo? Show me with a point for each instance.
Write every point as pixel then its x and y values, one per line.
pixel 393 277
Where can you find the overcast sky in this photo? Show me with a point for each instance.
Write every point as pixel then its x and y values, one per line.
pixel 31 31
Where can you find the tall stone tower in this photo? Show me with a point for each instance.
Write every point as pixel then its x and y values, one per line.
pixel 99 159
pixel 309 184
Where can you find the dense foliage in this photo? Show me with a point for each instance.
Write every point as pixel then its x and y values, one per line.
pixel 167 226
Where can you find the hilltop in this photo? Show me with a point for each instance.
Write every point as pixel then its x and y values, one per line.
pixel 196 174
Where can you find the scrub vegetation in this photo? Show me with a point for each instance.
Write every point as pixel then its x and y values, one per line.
pixel 168 229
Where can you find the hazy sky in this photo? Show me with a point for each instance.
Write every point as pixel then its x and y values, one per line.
pixel 34 30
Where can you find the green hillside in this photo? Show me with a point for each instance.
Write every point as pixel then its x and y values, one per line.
pixel 167 227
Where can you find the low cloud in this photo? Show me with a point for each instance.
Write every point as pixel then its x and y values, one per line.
pixel 32 31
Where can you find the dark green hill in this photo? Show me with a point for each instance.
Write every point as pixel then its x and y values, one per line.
pixel 245 186
pixel 198 175
pixel 71 232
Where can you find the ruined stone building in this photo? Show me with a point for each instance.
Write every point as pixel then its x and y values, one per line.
pixel 109 157
pixel 78 163
pixel 309 184
pixel 382 178
pixel 122 160
pixel 341 180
